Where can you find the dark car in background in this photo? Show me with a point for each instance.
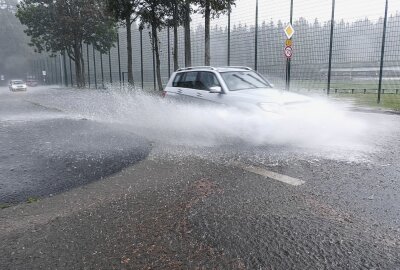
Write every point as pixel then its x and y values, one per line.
pixel 32 83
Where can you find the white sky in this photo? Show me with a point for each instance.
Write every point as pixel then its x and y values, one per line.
pixel 349 10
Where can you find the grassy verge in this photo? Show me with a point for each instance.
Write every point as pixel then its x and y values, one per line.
pixel 4 206
pixel 388 101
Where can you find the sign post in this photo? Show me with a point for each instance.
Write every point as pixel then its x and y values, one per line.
pixel 288 51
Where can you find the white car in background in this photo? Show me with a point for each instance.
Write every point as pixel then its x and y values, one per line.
pixel 17 85
pixel 239 87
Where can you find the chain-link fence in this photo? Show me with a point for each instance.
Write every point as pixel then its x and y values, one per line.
pixel 252 34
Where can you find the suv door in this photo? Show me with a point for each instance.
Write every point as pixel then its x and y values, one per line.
pixel 183 86
pixel 205 80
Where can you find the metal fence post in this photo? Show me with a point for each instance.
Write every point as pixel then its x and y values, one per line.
pixel 58 70
pixel 48 67
pixel 55 76
pixel 256 40
pixel 154 66
pixel 169 52
pixel 65 69
pixel 61 67
pixel 141 57
pixel 382 52
pixel 331 47
pixel 109 66
pixel 229 35
pixel 88 63
pixel 94 67
pixel 102 69
pixel 288 61
pixel 119 59
pixel 70 72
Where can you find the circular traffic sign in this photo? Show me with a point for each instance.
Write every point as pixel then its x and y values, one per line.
pixel 288 52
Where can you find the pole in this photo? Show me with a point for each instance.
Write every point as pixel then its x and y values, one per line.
pixel 256 40
pixel 288 61
pixel 88 63
pixel 141 57
pixel 109 66
pixel 61 67
pixel 169 52
pixel 102 70
pixel 119 59
pixel 65 69
pixel 229 35
pixel 331 48
pixel 154 67
pixel 55 70
pixel 382 52
pixel 94 67
pixel 48 70
pixel 70 71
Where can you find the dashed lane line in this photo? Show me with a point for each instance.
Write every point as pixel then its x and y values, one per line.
pixel 272 175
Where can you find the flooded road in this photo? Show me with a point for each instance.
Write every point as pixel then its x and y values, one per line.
pixel 190 191
pixel 45 151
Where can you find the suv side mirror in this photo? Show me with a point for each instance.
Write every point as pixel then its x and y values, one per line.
pixel 216 89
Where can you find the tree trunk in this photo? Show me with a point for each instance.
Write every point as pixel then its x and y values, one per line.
pixel 176 64
pixel 80 82
pixel 188 45
pixel 157 52
pixel 83 80
pixel 129 48
pixel 207 16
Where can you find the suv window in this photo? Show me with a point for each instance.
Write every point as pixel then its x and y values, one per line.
pixel 206 80
pixel 197 80
pixel 185 80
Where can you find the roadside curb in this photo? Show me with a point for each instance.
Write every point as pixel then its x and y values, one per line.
pixel 376 111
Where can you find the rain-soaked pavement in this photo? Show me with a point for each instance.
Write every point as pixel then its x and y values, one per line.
pixel 124 198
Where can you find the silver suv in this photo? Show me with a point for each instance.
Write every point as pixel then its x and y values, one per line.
pixel 240 87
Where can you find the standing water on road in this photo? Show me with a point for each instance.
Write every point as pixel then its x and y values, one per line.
pixel 321 127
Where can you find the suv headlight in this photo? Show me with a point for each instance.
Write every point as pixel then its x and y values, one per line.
pixel 271 107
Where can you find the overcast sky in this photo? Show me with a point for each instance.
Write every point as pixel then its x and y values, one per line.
pixel 349 10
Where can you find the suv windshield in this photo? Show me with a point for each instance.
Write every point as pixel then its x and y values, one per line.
pixel 17 82
pixel 242 80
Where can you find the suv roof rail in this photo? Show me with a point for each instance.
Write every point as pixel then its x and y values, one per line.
pixel 197 67
pixel 238 67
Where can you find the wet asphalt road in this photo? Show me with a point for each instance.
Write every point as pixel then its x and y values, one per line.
pixel 45 152
pixel 183 208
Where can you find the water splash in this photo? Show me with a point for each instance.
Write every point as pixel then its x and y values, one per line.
pixel 318 127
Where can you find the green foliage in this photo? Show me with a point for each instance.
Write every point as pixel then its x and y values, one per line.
pixel 123 9
pixel 217 7
pixel 154 13
pixel 60 25
pixel 32 200
pixel 4 206
pixel 176 12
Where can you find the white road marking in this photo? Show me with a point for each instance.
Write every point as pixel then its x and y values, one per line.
pixel 272 175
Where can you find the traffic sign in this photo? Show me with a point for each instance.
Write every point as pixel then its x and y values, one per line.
pixel 44 72
pixel 288 52
pixel 2 77
pixel 289 43
pixel 289 31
